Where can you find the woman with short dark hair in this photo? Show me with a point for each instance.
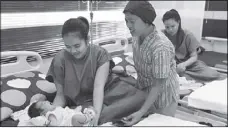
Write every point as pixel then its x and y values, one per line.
pixel 153 56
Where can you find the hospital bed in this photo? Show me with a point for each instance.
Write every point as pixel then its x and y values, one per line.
pixel 209 100
pixel 206 104
pixel 22 69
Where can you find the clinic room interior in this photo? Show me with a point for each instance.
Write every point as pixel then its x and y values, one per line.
pixel 113 63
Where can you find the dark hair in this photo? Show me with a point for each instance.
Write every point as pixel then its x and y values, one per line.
pixel 173 14
pixel 79 24
pixel 33 111
pixel 85 21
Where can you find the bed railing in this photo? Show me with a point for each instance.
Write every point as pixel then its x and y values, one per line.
pixel 21 64
pixel 113 44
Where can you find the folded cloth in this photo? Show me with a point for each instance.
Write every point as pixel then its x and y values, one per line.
pixel 184 81
pixel 212 96
pixel 162 120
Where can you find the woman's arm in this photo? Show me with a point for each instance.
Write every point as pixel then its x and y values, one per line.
pixel 154 92
pixel 192 44
pixel 99 83
pixel 160 71
pixel 193 58
pixel 55 75
pixel 59 98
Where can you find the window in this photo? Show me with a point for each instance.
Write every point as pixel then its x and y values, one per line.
pixel 215 19
pixel 46 38
pixel 108 5
pixel 41 6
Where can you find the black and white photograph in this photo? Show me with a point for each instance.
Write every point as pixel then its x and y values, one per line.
pixel 103 63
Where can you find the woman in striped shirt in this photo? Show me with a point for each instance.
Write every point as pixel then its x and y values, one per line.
pixel 154 58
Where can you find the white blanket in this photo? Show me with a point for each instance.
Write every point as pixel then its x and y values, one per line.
pixel 22 117
pixel 212 96
pixel 162 120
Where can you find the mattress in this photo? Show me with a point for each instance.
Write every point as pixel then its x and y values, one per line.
pixel 212 96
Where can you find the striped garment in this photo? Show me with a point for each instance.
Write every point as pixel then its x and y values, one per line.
pixel 154 59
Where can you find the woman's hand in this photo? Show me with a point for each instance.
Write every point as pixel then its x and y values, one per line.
pixel 92 116
pixel 133 118
pixel 95 121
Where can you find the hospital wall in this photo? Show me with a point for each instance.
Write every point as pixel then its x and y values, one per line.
pixel 215 25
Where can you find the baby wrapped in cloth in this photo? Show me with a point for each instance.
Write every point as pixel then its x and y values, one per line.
pixel 43 113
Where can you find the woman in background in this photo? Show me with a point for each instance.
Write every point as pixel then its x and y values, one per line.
pixel 186 46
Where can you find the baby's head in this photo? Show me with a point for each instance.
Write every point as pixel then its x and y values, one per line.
pixel 40 108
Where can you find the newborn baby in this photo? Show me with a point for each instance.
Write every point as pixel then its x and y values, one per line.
pixel 43 113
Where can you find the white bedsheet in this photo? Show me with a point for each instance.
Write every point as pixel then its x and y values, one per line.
pixel 212 96
pixel 162 120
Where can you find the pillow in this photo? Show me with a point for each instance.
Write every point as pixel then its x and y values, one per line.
pixel 18 90
pixel 124 64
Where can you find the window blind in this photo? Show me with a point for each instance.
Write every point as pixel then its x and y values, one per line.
pixel 41 6
pixel 46 40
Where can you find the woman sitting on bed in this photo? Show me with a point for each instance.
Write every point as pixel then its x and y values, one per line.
pixel 80 73
pixel 186 46
pixel 153 56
